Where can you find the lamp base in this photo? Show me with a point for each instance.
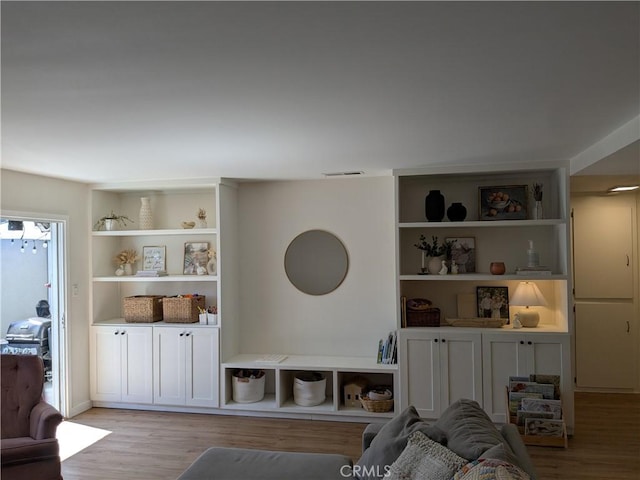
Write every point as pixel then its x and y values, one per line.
pixel 528 318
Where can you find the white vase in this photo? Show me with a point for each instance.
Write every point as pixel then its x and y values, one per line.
pixel 146 215
pixel 202 223
pixel 434 264
pixel 110 224
pixel 128 269
pixel 537 210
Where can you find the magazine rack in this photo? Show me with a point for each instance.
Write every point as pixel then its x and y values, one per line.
pixel 537 440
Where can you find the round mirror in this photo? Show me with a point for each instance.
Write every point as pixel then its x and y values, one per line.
pixel 316 262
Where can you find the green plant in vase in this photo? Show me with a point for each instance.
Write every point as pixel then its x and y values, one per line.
pixel 435 252
pixel 112 222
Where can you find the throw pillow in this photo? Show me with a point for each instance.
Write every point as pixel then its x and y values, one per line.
pixel 490 469
pixel 501 452
pixel 470 431
pixel 425 459
pixel 390 441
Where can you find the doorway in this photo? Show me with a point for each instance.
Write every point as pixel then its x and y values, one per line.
pixel 33 277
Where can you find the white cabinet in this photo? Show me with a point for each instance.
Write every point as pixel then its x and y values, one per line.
pixel 439 367
pixel 522 353
pixel 605 345
pixel 186 365
pixel 121 368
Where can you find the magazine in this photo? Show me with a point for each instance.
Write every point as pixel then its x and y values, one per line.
pixel 544 428
pixel 552 379
pixel 547 390
pixel 515 398
pixel 543 405
pixel 522 415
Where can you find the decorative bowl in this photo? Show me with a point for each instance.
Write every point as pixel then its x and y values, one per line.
pixel 188 224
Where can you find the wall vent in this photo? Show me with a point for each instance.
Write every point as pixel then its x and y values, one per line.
pixel 342 174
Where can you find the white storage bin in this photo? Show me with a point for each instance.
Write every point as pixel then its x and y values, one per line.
pixel 309 389
pixel 247 389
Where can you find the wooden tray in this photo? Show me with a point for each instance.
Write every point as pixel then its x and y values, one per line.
pixel 476 322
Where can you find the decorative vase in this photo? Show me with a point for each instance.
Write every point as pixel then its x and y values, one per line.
pixel 537 210
pixel 434 206
pixel 497 268
pixel 202 223
pixel 128 269
pixel 434 264
pixel 457 212
pixel 110 224
pixel 146 215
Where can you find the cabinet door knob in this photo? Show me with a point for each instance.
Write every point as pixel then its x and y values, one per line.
pixel 529 343
pixel 188 333
pixel 435 340
pixel 521 342
pixel 117 332
pixel 182 334
pixel 444 340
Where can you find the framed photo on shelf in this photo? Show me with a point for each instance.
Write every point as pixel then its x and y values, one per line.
pixel 493 302
pixel 154 258
pixel 507 202
pixel 196 258
pixel 463 252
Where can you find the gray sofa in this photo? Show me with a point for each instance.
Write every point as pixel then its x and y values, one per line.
pixel 464 428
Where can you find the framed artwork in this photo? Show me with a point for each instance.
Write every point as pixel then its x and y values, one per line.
pixel 463 252
pixel 196 258
pixel 508 202
pixel 154 258
pixel 493 302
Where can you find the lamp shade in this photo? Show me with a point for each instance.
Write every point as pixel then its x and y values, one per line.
pixel 528 294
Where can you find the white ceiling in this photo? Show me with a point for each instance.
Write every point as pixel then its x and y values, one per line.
pixel 110 91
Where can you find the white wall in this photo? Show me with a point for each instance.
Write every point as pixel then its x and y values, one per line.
pixel 23 282
pixel 32 193
pixel 278 318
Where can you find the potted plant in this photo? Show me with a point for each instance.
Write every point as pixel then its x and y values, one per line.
pixel 112 222
pixel 124 260
pixel 435 252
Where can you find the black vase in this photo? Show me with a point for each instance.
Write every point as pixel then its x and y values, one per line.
pixel 456 212
pixel 434 206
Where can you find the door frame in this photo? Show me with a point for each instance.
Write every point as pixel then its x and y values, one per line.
pixel 59 296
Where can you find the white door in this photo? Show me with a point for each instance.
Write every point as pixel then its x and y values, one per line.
pixel 137 364
pixel 602 250
pixel 501 358
pixel 420 372
pixel 202 367
pixel 604 345
pixel 169 365
pixel 106 364
pixel 460 367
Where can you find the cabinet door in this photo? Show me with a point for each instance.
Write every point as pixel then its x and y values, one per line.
pixel 106 364
pixel 604 345
pixel 202 367
pixel 169 365
pixel 602 248
pixel 460 367
pixel 137 367
pixel 420 372
pixel 501 358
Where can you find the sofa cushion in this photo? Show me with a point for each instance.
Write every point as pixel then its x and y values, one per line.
pixel 425 459
pixel 490 469
pixel 390 441
pixel 469 430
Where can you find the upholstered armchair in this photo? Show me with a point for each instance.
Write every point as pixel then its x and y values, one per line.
pixel 29 448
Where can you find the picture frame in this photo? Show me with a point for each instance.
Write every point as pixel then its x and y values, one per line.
pixel 463 252
pixel 154 258
pixel 493 302
pixel 504 202
pixel 196 258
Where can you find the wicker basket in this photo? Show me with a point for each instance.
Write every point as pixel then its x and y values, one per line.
pixel 182 309
pixel 142 308
pixel 377 406
pixel 423 318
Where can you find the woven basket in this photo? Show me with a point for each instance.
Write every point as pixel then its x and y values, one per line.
pixel 142 308
pixel 423 318
pixel 182 309
pixel 378 406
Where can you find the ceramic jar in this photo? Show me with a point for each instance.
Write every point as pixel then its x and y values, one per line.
pixel 497 268
pixel 434 206
pixel 456 212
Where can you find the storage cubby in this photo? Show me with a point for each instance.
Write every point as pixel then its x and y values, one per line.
pixel 372 379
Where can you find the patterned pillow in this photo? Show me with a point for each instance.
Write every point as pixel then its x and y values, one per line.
pixel 423 458
pixel 490 469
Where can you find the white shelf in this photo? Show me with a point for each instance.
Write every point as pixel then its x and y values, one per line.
pixel 484 224
pixel 268 403
pixel 474 277
pixel 311 362
pixel 151 233
pixel 167 278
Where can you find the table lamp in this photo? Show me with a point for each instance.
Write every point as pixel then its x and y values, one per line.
pixel 527 295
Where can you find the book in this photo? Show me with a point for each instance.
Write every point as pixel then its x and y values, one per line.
pixel 544 427
pixel 534 271
pixel 543 405
pixel 271 358
pixel 151 273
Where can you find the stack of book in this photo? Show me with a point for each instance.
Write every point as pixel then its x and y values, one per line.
pixel 151 273
pixel 388 349
pixel 533 271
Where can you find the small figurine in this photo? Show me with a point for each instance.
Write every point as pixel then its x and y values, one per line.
pixel 516 321
pixel 454 267
pixel 444 269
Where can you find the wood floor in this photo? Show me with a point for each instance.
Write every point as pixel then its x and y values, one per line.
pixel 158 446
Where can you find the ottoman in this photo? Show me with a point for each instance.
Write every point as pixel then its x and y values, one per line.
pixel 218 463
